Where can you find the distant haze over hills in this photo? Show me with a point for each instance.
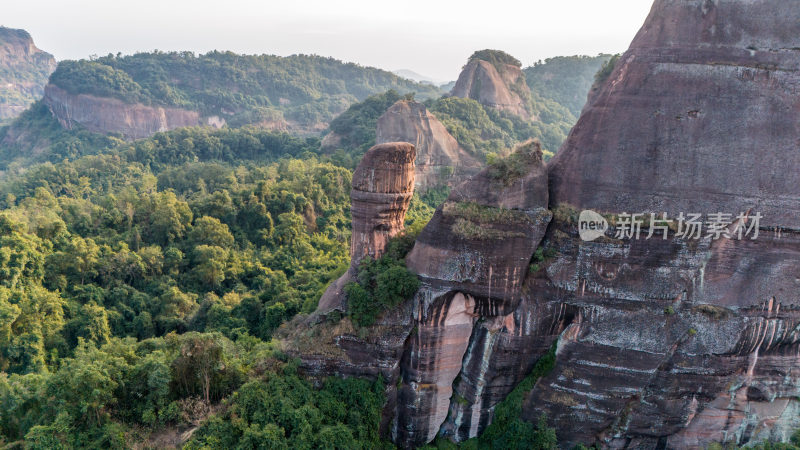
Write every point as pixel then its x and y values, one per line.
pixel 411 75
pixel 432 38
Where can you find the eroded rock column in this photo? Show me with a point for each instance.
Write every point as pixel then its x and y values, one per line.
pixel 383 184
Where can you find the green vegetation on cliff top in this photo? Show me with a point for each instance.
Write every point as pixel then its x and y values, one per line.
pixel 243 89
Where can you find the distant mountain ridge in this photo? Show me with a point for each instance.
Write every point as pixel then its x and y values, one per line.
pixel 301 93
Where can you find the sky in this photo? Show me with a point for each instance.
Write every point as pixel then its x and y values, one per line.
pixel 430 37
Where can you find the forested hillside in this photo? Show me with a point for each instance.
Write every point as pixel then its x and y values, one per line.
pixel 141 283
pixel 565 79
pixel 242 89
pixel 140 286
pixel 558 89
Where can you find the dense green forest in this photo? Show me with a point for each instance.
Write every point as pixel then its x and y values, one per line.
pixel 141 286
pixel 243 89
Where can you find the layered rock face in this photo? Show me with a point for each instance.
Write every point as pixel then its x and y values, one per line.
pixel 472 259
pixel 440 160
pixel 24 70
pixel 383 184
pixel 503 89
pixel 662 343
pixel 683 342
pixel 110 115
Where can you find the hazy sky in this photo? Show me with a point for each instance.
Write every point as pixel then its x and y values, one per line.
pixel 432 37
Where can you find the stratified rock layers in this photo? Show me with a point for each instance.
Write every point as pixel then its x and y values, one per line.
pixel 383 184
pixel 109 115
pixel 472 259
pixel 440 160
pixel 683 342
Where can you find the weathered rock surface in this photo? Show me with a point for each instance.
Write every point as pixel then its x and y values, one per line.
pixel 383 184
pixel 699 115
pixel 110 115
pixel 440 160
pixel 481 239
pixel 662 343
pixel 682 343
pixel 502 88
pixel 472 259
pixel 24 70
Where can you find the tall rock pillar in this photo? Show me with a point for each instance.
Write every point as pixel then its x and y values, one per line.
pixel 383 184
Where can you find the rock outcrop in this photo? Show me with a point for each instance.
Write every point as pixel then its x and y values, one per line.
pixel 669 342
pixel 440 160
pixel 24 70
pixel 110 115
pixel 472 259
pixel 383 184
pixel 498 84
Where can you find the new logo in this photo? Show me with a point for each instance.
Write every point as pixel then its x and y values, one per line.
pixel 591 225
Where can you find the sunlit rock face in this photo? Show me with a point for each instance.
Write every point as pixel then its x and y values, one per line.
pixel 440 159
pixel 24 69
pixel 109 115
pixel 383 184
pixel 699 115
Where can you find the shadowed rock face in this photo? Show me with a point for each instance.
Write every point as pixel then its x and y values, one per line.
pixel 662 343
pixel 383 184
pixel 481 81
pixel 440 160
pixel 109 115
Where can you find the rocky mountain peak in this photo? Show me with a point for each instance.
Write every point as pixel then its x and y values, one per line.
pixel 494 79
pixel 383 184
pixel 668 342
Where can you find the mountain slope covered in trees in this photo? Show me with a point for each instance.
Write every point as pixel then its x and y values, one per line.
pixel 242 89
pixel 141 286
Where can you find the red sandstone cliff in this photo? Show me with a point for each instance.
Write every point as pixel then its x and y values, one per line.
pixel 383 184
pixel 109 115
pixel 662 343
pixel 440 160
